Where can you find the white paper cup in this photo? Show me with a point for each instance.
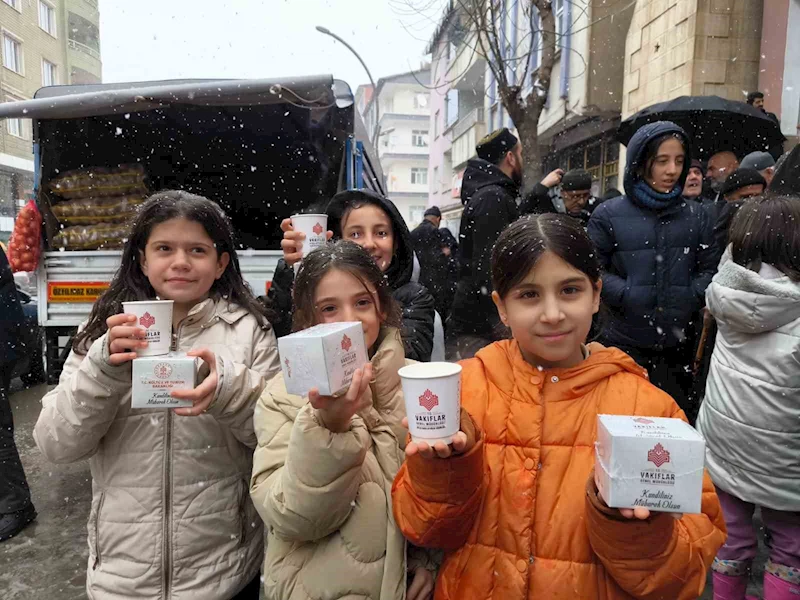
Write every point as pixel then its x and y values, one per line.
pixel 315 227
pixel 433 400
pixel 155 316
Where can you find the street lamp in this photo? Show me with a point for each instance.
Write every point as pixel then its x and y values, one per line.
pixel 327 31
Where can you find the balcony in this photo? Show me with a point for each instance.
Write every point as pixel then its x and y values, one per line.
pixel 466 133
pixel 468 68
pixel 77 46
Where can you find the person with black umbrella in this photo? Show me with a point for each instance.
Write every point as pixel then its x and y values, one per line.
pixel 655 249
pixel 16 509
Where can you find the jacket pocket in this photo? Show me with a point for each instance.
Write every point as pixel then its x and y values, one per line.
pixel 96 532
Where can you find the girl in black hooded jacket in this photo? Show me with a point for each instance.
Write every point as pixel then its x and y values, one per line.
pixel 373 222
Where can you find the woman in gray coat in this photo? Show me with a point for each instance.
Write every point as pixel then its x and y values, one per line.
pixel 751 413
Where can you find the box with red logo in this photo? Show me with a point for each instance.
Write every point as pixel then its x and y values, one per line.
pixel 324 356
pixel 653 462
pixel 155 377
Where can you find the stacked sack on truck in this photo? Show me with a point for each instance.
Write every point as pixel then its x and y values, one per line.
pixel 96 206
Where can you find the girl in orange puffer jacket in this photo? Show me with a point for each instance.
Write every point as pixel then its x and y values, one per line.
pixel 513 499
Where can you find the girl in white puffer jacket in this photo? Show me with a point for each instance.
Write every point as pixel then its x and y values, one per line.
pixel 751 413
pixel 171 517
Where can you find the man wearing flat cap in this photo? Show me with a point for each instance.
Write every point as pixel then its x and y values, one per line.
pixel 489 192
pixel 761 162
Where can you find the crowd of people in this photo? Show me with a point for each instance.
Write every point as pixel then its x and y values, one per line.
pixel 560 306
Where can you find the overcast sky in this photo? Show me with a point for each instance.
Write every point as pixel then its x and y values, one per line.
pixel 167 39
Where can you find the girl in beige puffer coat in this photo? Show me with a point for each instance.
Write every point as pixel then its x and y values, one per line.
pixel 171 517
pixel 324 466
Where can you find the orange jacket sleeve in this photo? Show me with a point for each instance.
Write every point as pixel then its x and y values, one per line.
pixel 436 501
pixel 661 557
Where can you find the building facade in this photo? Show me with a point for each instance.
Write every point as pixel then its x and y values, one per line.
pixel 585 96
pixel 403 137
pixel 44 42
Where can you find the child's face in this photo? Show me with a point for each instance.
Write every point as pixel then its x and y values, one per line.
pixel 550 312
pixel 181 262
pixel 371 228
pixel 341 297
pixel 667 166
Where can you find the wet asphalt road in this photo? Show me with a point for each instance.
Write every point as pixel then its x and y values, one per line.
pixel 48 559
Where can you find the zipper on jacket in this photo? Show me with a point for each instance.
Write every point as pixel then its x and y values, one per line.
pixel 97 532
pixel 167 551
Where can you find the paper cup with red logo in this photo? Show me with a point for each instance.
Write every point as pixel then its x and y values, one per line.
pixel 315 227
pixel 155 317
pixel 433 400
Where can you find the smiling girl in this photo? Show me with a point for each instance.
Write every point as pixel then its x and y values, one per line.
pixel 513 499
pixel 170 515
pixel 324 466
pixel 374 223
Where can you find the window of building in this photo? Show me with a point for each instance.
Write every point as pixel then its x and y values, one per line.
pixel 420 101
pixel 419 176
pixel 12 3
pixel 85 33
pixel 419 138
pixel 436 125
pixel 451 108
pixel 47 17
pixel 558 13
pixel 49 73
pixel 12 54
pixel 15 127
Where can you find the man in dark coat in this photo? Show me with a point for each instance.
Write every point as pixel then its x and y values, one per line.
pixel 16 509
pixel 489 192
pixel 428 246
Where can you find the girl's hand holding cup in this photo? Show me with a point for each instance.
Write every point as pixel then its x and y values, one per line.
pixel 124 338
pixel 336 413
pixel 461 443
pixel 292 242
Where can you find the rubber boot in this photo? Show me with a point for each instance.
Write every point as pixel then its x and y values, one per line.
pixel 776 588
pixel 730 587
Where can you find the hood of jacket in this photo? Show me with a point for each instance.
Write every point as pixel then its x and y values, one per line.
pixel 481 173
pixel 752 302
pixel 636 152
pixel 402 266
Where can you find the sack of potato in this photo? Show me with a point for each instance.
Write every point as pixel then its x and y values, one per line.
pixel 100 182
pixel 92 237
pixel 95 211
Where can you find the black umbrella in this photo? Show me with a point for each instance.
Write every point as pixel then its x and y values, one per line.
pixel 713 124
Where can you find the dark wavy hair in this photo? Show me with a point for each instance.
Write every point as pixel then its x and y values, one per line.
pixel 131 284
pixel 352 259
pixel 766 229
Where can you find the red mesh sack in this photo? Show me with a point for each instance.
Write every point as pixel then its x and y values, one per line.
pixel 24 248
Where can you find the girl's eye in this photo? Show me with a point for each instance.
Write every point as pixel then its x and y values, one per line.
pixel 199 250
pixel 571 290
pixel 528 295
pixel 363 302
pixel 383 234
pixel 162 248
pixel 327 309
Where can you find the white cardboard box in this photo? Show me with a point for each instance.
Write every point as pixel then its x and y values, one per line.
pixel 155 377
pixel 324 356
pixel 652 462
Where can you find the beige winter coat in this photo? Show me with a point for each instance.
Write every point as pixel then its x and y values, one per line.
pixel 171 516
pixel 326 497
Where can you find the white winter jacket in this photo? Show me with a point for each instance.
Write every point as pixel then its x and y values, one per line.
pixel 751 413
pixel 171 517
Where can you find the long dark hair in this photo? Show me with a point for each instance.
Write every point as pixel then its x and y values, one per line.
pixel 131 284
pixel 766 229
pixel 523 243
pixel 348 257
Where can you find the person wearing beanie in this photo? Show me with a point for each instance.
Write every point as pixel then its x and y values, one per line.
pixel 489 191
pixel 761 162
pixel 576 194
pixel 693 187
pixel 433 262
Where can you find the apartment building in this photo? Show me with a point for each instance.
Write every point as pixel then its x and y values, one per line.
pixel 44 42
pixel 402 103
